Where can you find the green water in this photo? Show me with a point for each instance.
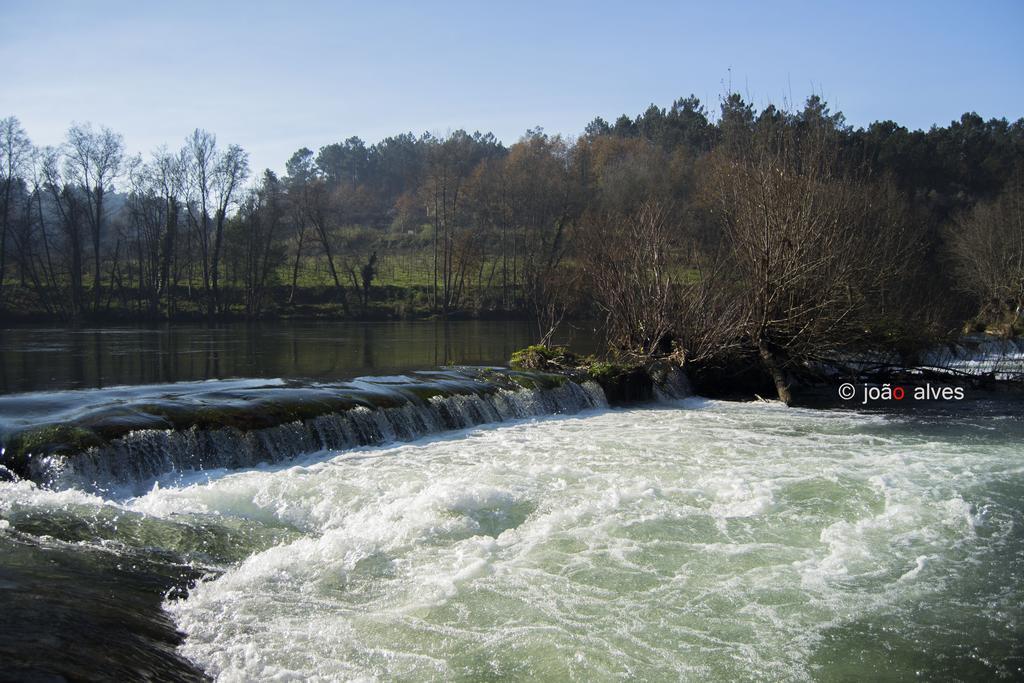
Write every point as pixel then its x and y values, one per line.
pixel 695 541
pixel 49 358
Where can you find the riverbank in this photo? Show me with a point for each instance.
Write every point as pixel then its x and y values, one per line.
pixel 22 305
pixel 974 364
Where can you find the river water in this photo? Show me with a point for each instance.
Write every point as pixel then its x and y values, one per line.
pixel 697 540
pixel 687 539
pixel 41 358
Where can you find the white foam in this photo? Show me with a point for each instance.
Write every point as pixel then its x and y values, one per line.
pixel 919 564
pixel 709 541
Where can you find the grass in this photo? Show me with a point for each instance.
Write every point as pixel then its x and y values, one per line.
pixel 403 287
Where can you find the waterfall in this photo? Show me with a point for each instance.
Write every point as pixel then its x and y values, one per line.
pixel 129 464
pixel 980 355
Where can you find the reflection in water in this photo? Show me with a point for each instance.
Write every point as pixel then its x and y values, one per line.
pixel 35 358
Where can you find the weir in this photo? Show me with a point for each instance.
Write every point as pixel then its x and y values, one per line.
pixel 149 433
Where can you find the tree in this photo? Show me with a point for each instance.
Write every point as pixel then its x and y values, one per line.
pixel 544 208
pixel 168 176
pixel 200 156
pixel 71 210
pixel 300 172
pixel 632 270
pixel 153 208
pixel 15 154
pixel 215 180
pixel 322 208
pixel 736 124
pixel 257 227
pixel 492 211
pixel 343 162
pixel 93 161
pixel 597 127
pixel 688 126
pixel 396 164
pixel 451 161
pixel 229 174
pixel 35 246
pixel 987 247
pixel 814 252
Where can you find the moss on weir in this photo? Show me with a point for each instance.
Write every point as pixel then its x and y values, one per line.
pixel 46 440
pixel 622 383
pixel 539 357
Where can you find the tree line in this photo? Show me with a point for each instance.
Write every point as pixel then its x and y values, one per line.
pixel 779 233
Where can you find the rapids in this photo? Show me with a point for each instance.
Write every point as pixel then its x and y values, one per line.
pixel 694 540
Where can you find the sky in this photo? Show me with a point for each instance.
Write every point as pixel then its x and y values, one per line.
pixel 273 77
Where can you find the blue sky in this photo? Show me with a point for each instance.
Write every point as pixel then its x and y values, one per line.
pixel 274 78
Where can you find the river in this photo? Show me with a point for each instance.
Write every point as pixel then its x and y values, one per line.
pixel 553 538
pixel 38 358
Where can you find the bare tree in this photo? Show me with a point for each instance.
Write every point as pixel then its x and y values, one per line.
pixel 633 274
pixel 543 210
pixel 987 246
pixel 229 174
pixel 15 153
pixel 300 173
pixel 168 175
pixel 447 172
pixel 257 227
pixel 492 212
pixel 71 210
pixel 321 208
pixel 153 209
pixel 200 154
pixel 812 253
pixel 93 160
pixel 143 229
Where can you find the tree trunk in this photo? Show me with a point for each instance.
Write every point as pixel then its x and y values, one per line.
pixel 3 234
pixel 774 366
pixel 96 236
pixel 218 240
pixel 295 267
